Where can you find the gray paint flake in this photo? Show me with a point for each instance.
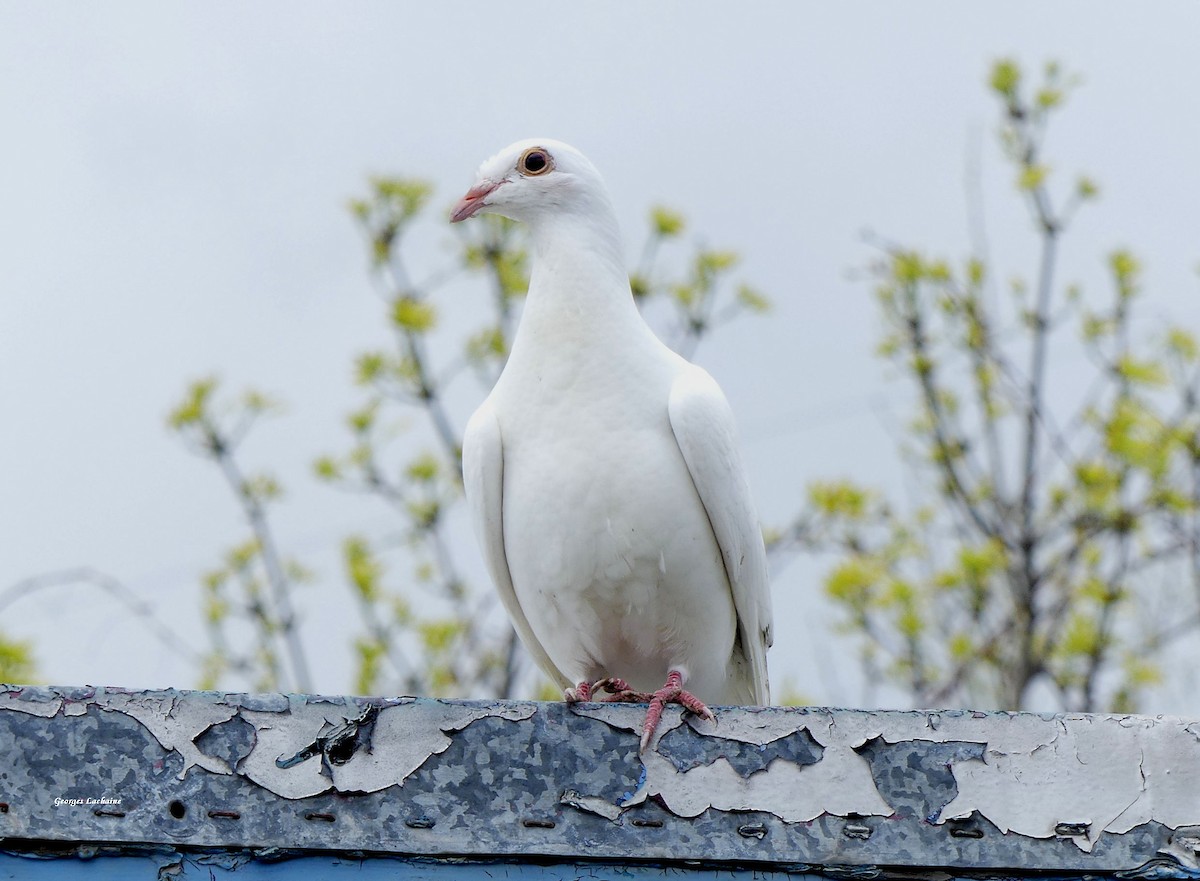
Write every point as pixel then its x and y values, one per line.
pixel 799 786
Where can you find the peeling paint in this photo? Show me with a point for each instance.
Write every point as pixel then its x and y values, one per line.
pixel 1103 773
pixel 840 783
pixel 599 806
pixel 1112 773
pixel 402 743
pixel 175 724
pixel 799 786
pixel 25 700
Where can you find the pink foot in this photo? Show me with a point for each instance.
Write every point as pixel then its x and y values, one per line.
pixel 618 690
pixel 580 694
pixel 671 693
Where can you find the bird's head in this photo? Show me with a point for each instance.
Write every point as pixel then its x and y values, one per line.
pixel 532 179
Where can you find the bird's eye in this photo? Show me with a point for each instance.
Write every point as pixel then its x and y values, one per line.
pixel 535 161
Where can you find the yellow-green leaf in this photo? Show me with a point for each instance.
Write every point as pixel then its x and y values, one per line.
pixel 752 299
pixel 666 223
pixel 413 315
pixel 1005 77
pixel 1032 176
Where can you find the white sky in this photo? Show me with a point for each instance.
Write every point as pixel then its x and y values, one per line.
pixel 172 189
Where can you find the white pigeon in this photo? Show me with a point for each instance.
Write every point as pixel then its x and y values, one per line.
pixel 603 471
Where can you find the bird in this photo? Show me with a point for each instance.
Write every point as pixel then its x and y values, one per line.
pixel 603 472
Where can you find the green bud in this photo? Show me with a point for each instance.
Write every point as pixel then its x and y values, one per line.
pixel 666 223
pixel 975 271
pixel 1048 97
pixel 194 406
pixel 326 468
pixel 363 419
pixel 407 196
pixel 1005 77
pixel 709 263
pixel 1183 344
pixel 1032 177
pixel 362 567
pixel 752 299
pixel 423 469
pixel 413 315
pixel 1125 268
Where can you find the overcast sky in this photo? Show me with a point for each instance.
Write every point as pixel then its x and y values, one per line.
pixel 173 181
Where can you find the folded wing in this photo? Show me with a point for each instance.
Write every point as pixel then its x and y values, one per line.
pixel 704 429
pixel 483 482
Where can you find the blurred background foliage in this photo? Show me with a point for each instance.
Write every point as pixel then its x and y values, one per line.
pixel 426 628
pixel 1053 545
pixel 1048 551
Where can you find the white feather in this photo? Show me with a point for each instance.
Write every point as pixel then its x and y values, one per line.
pixel 703 426
pixel 603 472
pixel 483 474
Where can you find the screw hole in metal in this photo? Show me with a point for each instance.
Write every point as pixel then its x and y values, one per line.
pixel 753 830
pixel 966 832
pixel 1071 829
pixel 177 809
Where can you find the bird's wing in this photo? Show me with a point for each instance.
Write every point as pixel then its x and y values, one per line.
pixel 704 429
pixel 483 482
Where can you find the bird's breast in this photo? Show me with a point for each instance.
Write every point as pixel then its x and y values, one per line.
pixel 607 541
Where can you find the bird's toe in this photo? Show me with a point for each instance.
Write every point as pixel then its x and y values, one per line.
pixel 581 693
pixel 695 705
pixel 620 691
pixel 671 693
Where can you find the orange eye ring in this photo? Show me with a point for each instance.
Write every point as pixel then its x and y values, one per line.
pixel 535 161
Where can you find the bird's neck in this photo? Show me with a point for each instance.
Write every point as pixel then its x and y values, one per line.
pixel 579 287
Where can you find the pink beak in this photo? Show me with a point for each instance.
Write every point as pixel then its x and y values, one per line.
pixel 470 204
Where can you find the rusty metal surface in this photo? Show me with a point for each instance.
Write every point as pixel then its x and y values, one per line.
pixel 792 788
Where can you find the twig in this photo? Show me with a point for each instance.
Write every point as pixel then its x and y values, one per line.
pixel 116 589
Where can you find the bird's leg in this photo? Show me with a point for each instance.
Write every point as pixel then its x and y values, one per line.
pixel 671 693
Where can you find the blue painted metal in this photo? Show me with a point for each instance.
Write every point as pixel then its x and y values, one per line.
pixel 243 866
pixel 223 782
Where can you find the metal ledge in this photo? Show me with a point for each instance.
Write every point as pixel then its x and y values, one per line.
pixel 782 788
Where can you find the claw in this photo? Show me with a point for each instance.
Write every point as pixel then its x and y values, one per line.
pixel 612 684
pixel 618 691
pixel 671 693
pixel 580 694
